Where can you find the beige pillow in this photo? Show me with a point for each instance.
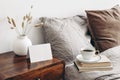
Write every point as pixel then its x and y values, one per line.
pixel 104 26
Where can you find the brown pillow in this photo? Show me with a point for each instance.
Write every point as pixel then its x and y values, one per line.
pixel 104 26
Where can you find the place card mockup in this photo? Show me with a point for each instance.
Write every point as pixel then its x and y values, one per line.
pixel 40 52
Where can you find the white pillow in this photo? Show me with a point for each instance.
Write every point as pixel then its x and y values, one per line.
pixel 67 36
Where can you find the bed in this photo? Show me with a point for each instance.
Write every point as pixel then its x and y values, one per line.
pixel 68 35
pixel 105 30
pixel 71 72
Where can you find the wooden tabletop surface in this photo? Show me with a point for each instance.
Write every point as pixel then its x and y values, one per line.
pixel 12 65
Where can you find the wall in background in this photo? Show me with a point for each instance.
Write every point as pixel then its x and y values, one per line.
pixel 44 8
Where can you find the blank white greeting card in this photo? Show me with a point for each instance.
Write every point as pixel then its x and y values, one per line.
pixel 40 52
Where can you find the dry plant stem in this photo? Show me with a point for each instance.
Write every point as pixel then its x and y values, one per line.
pixel 17 30
pixel 27 22
pixel 25 28
pixel 27 31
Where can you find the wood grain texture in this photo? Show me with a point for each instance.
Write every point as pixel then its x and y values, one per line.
pixel 14 67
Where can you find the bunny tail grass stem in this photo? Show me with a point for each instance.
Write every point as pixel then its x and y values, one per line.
pixel 16 29
pixel 27 31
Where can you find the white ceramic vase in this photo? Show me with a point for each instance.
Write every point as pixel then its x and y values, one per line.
pixel 21 44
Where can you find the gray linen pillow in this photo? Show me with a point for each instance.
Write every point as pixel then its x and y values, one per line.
pixel 66 35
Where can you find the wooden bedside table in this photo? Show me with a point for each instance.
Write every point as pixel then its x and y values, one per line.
pixel 14 67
